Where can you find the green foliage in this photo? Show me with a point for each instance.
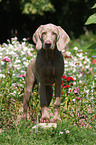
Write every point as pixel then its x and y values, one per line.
pixel 92 18
pixel 28 6
pixel 36 6
pixel 86 43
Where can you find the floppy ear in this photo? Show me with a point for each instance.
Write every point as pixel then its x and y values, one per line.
pixel 37 38
pixel 63 39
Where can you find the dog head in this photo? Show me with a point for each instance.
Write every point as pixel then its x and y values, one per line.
pixel 49 36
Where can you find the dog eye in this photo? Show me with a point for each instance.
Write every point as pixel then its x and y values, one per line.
pixel 44 33
pixel 53 33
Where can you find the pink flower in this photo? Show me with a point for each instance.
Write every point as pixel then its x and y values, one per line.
pixel 90 69
pixel 76 90
pixel 79 98
pixel 13 100
pixel 6 59
pixel 19 48
pixel 22 75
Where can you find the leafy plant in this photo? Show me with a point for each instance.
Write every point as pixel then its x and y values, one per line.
pixel 92 18
pixel 36 6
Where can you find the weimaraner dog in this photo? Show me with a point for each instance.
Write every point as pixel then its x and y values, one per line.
pixel 46 69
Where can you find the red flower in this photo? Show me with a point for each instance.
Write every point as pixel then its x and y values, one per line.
pixel 62 92
pixel 70 78
pixel 64 77
pixel 79 98
pixel 66 56
pixel 94 61
pixel 67 86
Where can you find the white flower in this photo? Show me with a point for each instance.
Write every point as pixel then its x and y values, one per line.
pixel 63 51
pixel 68 53
pixel 80 64
pixel 22 52
pixel 69 90
pixel 14 39
pixel 25 63
pixel 12 52
pixel 18 61
pixel 80 55
pixel 66 65
pixel 74 78
pixel 73 100
pixel 2 62
pixel 60 132
pixel 75 59
pixel 79 76
pixel 13 42
pixel 75 48
pixel 79 50
pixel 17 66
pixel 24 39
pixel 74 70
pixel 65 61
pixel 87 66
pixel 74 83
pixel 80 81
pixel 4 48
pixel 67 131
pixel 23 44
pixel 1 53
pixel 87 91
pixel 2 76
pixel 11 46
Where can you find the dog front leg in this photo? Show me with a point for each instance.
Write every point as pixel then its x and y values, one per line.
pixel 45 116
pixel 56 116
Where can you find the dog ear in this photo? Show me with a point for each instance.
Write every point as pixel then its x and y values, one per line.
pixel 62 39
pixel 37 38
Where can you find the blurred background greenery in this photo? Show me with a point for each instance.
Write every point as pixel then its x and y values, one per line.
pixel 22 17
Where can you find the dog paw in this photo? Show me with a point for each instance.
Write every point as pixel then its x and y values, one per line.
pixel 45 120
pixel 55 120
pixel 24 116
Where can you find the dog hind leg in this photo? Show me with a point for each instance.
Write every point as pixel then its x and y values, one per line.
pixel 29 83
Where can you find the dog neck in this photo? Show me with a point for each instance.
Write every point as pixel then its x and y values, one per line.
pixel 49 54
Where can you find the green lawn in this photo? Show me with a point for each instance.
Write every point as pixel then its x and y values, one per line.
pixel 23 135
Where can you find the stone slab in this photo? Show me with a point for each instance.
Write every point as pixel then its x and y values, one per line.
pixel 45 125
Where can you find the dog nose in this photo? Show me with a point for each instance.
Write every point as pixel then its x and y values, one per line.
pixel 48 44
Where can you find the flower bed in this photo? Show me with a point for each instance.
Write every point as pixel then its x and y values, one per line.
pixel 78 95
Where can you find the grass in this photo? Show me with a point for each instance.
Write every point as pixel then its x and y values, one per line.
pixel 23 135
pixel 78 96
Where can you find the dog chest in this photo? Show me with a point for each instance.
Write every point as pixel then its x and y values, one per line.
pixel 49 70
